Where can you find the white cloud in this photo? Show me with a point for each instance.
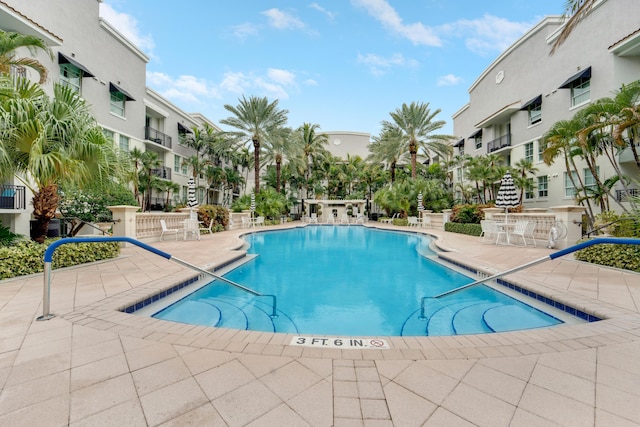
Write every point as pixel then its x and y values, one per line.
pixel 417 33
pixel 487 35
pixel 275 83
pixel 128 26
pixel 310 82
pixel 282 20
pixel 330 15
pixel 449 80
pixel 184 88
pixel 283 77
pixel 379 65
pixel 245 30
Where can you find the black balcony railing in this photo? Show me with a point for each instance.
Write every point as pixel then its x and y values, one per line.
pixel 156 136
pixel 498 143
pixel 162 172
pixel 12 197
pixel 623 195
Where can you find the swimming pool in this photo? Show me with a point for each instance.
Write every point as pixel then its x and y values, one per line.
pixel 352 280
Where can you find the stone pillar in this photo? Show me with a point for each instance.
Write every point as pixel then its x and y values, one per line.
pixel 124 218
pixel 570 217
pixel 446 216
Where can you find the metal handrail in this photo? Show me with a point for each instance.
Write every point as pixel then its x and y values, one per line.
pixel 579 246
pixel 48 258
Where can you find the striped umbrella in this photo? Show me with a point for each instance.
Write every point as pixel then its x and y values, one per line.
pixel 192 202
pixel 253 203
pixel 420 206
pixel 507 194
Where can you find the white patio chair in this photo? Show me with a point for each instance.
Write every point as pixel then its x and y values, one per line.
pixel 413 221
pixel 191 228
pixel 516 230
pixel 260 221
pixel 331 219
pixel 344 219
pixel 361 219
pixel 166 230
pixel 489 231
pixel 313 219
pixel 426 221
pixel 207 229
pixel 525 231
pixel 246 223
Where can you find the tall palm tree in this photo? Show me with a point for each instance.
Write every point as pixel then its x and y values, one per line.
pixel 149 160
pixel 280 147
pixel 256 119
pixel 9 44
pixel 522 169
pixel 417 124
pixel 388 148
pixel 314 148
pixel 575 11
pixel 53 141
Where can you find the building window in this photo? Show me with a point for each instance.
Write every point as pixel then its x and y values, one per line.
pixel 117 103
pixel 478 142
pixel 580 92
pixel 535 113
pixel 528 151
pixel 185 167
pixel 543 186
pixel 108 134
pixel 528 194
pixel 124 143
pixel 176 163
pixel 71 77
pixel 461 150
pixel 589 179
pixel 460 176
pixel 569 189
pixel 540 151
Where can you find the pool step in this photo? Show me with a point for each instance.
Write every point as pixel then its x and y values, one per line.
pixel 250 313
pixel 192 312
pixel 470 319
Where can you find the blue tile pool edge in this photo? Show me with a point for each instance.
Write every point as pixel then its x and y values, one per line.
pixel 138 305
pixel 538 297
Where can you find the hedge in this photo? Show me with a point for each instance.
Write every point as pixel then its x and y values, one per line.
pixel 27 257
pixel 626 257
pixel 470 229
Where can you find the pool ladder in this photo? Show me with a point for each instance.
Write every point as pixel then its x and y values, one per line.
pixel 48 258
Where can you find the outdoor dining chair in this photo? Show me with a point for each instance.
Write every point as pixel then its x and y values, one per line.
pixel 489 231
pixel 166 230
pixel 525 232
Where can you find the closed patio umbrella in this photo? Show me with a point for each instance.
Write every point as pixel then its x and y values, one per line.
pixel 192 202
pixel 507 195
pixel 253 203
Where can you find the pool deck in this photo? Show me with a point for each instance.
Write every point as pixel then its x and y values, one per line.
pixel 92 365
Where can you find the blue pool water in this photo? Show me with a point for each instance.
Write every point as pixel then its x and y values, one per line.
pixel 351 280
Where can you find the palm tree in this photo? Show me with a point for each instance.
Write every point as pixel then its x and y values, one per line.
pixel 279 147
pixel 256 120
pixel 53 141
pixel 10 42
pixel 314 150
pixel 388 148
pixel 416 124
pixel 149 160
pixel 576 11
pixel 135 159
pixel 522 169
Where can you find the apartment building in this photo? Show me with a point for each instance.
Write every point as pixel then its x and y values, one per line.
pixel 519 97
pixel 92 57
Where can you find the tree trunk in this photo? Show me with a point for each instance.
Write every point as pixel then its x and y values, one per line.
pixel 256 164
pixel 45 203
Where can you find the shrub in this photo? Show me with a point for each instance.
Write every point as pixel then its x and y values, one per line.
pixel 219 215
pixel 27 257
pixel 626 257
pixel 7 237
pixel 470 229
pixel 90 204
pixel 468 214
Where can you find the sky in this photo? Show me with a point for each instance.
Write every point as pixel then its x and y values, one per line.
pixel 341 64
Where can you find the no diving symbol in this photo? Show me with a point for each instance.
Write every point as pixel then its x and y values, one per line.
pixel 377 343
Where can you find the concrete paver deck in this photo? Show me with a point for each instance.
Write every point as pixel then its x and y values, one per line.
pixel 93 365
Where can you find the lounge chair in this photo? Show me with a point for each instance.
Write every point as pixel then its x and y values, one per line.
pixel 313 219
pixel 344 219
pixel 166 230
pixel 361 219
pixel 331 219
pixel 389 220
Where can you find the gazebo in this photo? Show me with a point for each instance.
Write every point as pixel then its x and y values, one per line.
pixel 334 207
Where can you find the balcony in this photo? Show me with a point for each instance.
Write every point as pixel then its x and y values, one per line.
pixel 12 197
pixel 496 144
pixel 156 136
pixel 623 196
pixel 162 172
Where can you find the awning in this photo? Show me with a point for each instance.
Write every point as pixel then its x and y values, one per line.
pixel 115 88
pixel 183 129
pixel 476 134
pixel 501 116
pixel 64 59
pixel 583 74
pixel 459 143
pixel 535 101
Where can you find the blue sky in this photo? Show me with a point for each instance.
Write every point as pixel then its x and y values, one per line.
pixel 344 65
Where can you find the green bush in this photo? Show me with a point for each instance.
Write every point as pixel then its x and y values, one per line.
pixel 468 214
pixel 90 204
pixel 28 257
pixel 470 229
pixel 626 257
pixel 219 215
